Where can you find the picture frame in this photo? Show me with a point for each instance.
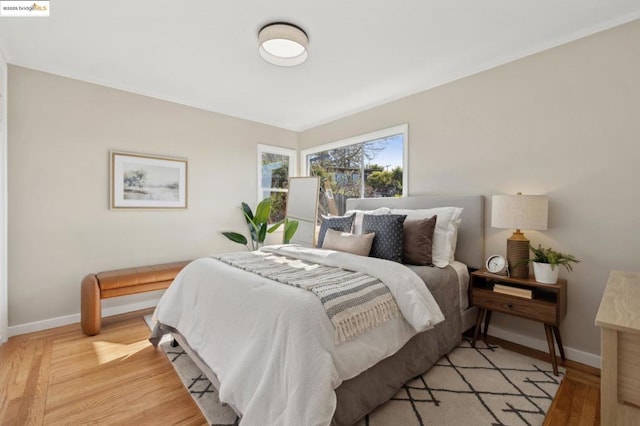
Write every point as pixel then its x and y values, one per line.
pixel 142 181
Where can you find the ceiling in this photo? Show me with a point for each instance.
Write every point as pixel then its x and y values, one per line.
pixel 362 53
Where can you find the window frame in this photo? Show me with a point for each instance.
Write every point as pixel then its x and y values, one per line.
pixel 270 149
pixel 363 138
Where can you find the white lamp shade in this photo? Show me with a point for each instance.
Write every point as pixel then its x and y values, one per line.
pixel 519 211
pixel 283 44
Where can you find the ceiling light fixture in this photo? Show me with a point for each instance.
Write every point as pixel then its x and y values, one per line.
pixel 283 44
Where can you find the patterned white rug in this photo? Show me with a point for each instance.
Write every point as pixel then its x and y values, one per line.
pixel 485 385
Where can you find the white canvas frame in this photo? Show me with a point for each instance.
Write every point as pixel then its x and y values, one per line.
pixel 159 168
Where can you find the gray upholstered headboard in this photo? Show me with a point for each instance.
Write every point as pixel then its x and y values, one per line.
pixel 470 247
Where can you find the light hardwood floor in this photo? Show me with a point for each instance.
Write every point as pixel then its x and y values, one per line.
pixel 61 377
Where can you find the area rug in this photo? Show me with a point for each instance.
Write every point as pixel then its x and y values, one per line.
pixel 482 385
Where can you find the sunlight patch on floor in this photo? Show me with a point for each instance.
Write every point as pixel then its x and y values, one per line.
pixel 109 351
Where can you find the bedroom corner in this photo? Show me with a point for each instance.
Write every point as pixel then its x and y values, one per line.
pixel 4 303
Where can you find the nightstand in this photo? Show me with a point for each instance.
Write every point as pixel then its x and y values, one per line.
pixel 548 305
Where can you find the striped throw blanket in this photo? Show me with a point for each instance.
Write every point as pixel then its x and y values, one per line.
pixel 354 301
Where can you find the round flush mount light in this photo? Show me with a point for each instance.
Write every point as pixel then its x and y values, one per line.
pixel 283 44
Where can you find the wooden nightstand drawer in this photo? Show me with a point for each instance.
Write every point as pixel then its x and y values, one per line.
pixel 533 309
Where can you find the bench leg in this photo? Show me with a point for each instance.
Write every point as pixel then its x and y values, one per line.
pixel 91 310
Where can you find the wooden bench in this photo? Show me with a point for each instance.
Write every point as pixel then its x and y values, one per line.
pixel 121 282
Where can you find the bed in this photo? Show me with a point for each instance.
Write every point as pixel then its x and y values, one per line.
pixel 291 374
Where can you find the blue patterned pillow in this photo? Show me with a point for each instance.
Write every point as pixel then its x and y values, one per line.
pixel 389 240
pixel 338 223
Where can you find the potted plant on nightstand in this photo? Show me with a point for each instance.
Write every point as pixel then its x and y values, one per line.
pixel 546 263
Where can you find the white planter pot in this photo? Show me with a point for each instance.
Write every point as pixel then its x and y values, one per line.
pixel 544 274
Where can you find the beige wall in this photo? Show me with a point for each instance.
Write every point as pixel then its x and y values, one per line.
pixel 60 227
pixel 565 123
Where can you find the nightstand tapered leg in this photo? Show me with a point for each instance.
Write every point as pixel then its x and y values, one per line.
pixel 487 319
pixel 476 331
pixel 556 332
pixel 552 350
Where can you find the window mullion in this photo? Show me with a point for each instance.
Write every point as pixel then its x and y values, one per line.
pixel 362 180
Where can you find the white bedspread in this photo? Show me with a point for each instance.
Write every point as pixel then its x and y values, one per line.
pixel 271 346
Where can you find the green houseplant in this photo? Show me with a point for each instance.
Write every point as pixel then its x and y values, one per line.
pixel 545 261
pixel 258 225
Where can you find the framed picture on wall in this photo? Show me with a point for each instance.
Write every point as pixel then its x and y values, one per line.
pixel 140 181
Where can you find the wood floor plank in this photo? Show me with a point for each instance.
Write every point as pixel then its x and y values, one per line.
pixel 60 377
pixel 22 363
pixel 577 402
pixel 591 408
pixel 561 406
pixel 32 408
pixel 6 366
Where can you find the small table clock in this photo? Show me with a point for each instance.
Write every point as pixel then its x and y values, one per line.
pixel 497 264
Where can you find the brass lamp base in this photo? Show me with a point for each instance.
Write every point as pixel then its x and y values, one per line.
pixel 517 255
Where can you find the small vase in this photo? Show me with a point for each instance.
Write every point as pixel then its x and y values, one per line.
pixel 544 274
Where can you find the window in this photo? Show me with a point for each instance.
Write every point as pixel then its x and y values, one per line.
pixel 275 166
pixel 365 166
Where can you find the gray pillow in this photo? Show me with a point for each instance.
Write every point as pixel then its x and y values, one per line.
pixel 350 243
pixel 388 242
pixel 338 223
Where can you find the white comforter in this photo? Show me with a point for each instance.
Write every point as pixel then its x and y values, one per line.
pixel 272 346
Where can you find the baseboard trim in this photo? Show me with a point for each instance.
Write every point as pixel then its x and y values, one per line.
pixel 31 327
pixel 582 357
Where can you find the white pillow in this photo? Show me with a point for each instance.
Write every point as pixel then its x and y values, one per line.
pixel 357 221
pixel 350 243
pixel 444 236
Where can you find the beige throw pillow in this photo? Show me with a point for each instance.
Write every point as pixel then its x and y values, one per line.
pixel 350 243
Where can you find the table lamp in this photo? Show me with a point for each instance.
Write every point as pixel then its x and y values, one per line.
pixel 528 212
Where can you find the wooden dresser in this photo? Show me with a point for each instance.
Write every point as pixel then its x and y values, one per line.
pixel 619 320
